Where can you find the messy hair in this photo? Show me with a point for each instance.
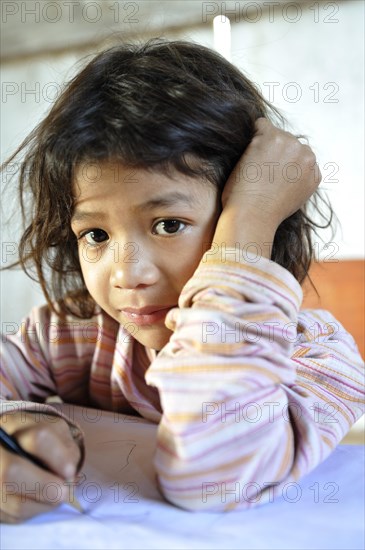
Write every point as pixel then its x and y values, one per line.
pixel 153 106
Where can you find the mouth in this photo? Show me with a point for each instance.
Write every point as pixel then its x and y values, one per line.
pixel 147 315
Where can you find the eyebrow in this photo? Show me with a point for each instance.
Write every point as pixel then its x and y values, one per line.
pixel 164 201
pixel 80 216
pixel 158 202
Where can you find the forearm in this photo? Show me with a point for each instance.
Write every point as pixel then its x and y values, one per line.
pixel 247 393
pixel 247 230
pixel 229 350
pixel 23 374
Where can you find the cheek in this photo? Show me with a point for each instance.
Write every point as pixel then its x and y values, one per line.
pixel 199 246
pixel 89 255
pixel 92 269
pixel 190 254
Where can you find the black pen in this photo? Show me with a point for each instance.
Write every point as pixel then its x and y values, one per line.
pixel 10 444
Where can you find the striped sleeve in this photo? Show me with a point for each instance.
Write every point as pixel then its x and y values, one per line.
pixel 254 393
pixel 27 374
pixel 25 371
pixel 49 355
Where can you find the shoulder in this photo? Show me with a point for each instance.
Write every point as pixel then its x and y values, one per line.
pixel 320 334
pixel 49 323
pixel 322 321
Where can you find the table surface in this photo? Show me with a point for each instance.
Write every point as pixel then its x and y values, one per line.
pixel 123 508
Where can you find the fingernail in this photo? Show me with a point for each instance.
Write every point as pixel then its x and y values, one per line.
pixel 69 472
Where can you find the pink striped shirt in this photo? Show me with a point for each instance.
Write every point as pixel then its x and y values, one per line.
pixel 250 393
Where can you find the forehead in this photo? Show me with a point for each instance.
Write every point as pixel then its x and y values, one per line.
pixel 95 180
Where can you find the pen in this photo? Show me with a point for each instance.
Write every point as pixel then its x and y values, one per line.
pixel 10 443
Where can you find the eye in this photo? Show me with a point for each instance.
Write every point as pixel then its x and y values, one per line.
pixel 168 227
pixel 94 236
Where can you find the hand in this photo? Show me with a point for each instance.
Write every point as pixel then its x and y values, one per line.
pixel 26 489
pixel 275 176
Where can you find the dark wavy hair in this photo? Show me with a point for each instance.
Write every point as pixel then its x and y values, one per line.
pixel 154 106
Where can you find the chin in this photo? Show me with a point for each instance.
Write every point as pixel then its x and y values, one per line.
pixel 153 337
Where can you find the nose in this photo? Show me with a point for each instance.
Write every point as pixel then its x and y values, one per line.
pixel 132 267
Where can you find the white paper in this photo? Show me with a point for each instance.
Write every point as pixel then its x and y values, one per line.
pixel 123 508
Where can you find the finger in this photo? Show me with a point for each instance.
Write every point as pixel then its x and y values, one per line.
pixel 262 125
pixel 23 479
pixel 53 444
pixel 302 139
pixel 317 174
pixel 309 159
pixel 17 510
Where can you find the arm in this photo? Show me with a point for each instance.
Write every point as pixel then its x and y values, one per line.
pixel 246 386
pixel 26 381
pixel 252 395
pixel 25 360
pixel 27 357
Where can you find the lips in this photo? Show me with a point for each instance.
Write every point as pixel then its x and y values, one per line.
pixel 148 315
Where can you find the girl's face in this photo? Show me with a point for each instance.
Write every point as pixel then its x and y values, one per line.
pixel 141 236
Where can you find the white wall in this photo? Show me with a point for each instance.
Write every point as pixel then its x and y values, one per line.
pixel 271 50
pixel 314 72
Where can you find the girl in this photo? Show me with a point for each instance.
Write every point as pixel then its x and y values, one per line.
pixel 166 218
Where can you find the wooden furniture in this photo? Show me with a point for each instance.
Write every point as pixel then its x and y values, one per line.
pixel 340 286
